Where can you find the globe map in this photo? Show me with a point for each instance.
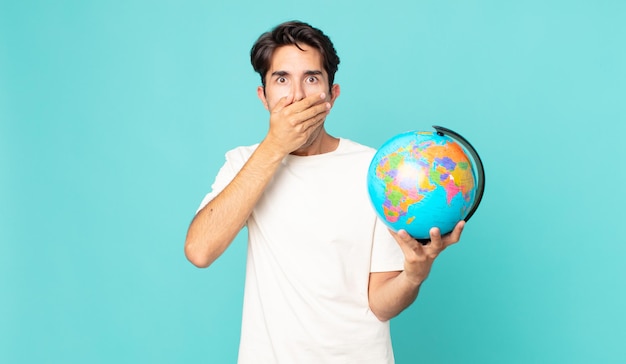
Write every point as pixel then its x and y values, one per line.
pixel 419 180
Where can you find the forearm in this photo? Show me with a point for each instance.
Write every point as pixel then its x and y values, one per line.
pixel 218 223
pixel 388 298
pixel 391 292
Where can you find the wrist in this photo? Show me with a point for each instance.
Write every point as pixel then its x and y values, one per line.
pixel 412 280
pixel 271 151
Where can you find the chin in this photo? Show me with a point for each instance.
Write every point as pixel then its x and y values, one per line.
pixel 311 142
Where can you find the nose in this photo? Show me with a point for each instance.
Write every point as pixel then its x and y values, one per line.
pixel 298 92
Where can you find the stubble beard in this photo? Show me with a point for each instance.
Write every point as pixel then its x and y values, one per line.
pixel 313 138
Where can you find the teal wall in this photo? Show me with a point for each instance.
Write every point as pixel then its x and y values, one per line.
pixel 115 115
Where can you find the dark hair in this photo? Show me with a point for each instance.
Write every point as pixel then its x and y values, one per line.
pixel 293 33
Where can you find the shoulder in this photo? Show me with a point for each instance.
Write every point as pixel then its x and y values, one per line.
pixel 240 154
pixel 350 147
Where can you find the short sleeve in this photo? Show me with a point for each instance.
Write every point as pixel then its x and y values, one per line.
pixel 223 178
pixel 386 253
pixel 235 159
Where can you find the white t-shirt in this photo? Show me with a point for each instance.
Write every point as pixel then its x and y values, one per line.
pixel 313 240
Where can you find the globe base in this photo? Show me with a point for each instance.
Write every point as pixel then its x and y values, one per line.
pixel 423 241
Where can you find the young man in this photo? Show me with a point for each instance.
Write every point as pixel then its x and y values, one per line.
pixel 323 274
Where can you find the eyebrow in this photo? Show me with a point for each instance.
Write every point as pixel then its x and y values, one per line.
pixel 306 73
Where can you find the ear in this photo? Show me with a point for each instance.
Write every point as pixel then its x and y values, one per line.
pixel 260 92
pixel 335 91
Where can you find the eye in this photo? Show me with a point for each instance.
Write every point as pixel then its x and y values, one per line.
pixel 281 80
pixel 311 79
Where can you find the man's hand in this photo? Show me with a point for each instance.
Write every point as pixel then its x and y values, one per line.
pixel 419 258
pixel 292 123
pixel 392 292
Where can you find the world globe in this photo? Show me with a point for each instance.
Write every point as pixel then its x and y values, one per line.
pixel 419 180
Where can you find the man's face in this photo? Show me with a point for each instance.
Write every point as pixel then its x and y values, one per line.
pixel 295 72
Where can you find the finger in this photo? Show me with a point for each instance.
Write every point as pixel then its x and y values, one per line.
pixel 308 102
pixel 315 120
pixel 283 102
pixel 436 242
pixel 455 235
pixel 404 236
pixel 314 110
pixel 406 242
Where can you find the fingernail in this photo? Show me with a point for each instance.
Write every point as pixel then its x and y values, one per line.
pixel 322 95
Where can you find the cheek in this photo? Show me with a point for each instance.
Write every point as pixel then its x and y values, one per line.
pixel 276 93
pixel 316 88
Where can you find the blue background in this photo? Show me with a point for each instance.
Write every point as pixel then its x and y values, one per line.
pixel 115 115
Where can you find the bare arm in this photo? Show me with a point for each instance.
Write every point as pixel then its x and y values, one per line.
pixel 216 225
pixel 391 292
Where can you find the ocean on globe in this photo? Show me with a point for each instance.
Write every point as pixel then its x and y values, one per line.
pixel 418 180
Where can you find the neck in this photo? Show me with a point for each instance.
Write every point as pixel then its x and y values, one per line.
pixel 318 144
